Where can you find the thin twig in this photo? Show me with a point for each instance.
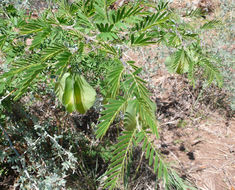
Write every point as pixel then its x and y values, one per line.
pixel 9 140
pixel 169 122
pixel 3 98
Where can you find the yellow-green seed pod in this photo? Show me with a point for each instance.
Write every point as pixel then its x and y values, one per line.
pixel 75 93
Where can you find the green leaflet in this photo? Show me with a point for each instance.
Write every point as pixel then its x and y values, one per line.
pixel 40 37
pixel 2 41
pixel 75 93
pixel 2 86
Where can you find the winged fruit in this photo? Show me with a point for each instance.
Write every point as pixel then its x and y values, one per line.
pixel 75 93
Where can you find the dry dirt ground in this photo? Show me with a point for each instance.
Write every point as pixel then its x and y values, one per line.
pixel 196 137
pixel 202 144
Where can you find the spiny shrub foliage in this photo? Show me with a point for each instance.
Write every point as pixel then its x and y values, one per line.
pixel 62 38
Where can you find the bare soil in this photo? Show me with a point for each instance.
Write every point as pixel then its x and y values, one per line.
pixel 197 131
pixel 200 145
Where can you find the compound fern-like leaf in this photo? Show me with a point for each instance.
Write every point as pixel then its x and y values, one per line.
pixel 120 158
pixel 153 155
pixel 178 62
pixel 112 109
pixel 114 79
